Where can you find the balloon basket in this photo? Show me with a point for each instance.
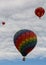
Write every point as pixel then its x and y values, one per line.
pixel 23 59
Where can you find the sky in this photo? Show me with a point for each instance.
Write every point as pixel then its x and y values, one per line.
pixel 18 15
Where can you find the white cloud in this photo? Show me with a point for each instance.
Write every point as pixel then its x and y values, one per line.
pixel 19 14
pixel 38 52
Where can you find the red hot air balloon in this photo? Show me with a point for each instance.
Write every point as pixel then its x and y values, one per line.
pixel 3 23
pixel 25 41
pixel 39 11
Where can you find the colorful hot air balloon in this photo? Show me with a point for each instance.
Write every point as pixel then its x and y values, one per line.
pixel 39 11
pixel 25 41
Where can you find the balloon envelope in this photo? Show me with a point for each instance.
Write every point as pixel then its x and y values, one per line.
pixel 3 23
pixel 39 11
pixel 25 41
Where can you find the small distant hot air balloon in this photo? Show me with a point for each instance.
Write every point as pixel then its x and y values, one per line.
pixel 39 11
pixel 3 23
pixel 25 41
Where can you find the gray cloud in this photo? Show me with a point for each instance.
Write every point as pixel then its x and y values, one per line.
pixel 20 14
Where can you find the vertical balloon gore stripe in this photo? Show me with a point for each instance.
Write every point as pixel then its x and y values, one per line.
pixel 20 39
pixel 25 41
pixel 17 37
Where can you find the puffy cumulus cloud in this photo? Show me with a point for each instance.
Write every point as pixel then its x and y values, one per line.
pixel 19 14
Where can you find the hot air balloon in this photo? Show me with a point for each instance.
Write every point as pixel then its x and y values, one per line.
pixel 3 23
pixel 25 40
pixel 39 11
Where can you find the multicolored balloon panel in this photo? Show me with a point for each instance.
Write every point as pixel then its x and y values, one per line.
pixel 25 41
